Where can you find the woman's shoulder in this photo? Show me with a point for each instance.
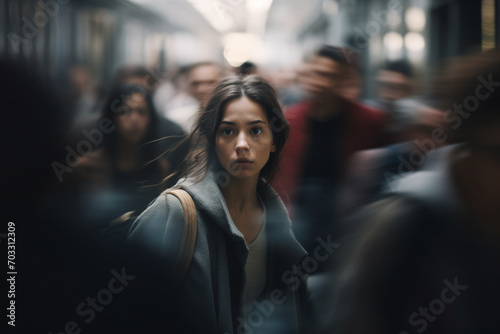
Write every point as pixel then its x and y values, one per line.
pixel 160 224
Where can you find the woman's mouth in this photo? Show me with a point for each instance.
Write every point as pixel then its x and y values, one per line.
pixel 243 162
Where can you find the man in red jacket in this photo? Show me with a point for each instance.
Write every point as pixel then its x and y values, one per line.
pixel 324 131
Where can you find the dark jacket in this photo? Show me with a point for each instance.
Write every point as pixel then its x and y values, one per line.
pixel 209 299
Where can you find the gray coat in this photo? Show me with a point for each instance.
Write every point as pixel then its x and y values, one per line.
pixel 211 293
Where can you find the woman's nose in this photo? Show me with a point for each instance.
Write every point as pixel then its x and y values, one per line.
pixel 134 116
pixel 242 142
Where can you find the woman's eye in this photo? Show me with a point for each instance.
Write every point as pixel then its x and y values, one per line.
pixel 123 112
pixel 256 131
pixel 227 132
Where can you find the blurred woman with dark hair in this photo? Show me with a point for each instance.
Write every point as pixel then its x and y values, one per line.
pixel 135 155
pixel 131 109
pixel 240 277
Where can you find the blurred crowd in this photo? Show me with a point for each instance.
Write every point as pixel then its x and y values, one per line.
pixel 405 184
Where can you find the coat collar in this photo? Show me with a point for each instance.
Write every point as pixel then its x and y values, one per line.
pixel 210 203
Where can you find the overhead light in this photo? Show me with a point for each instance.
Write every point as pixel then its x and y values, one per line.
pixel 236 55
pixel 240 47
pixel 414 41
pixel 415 18
pixel 393 41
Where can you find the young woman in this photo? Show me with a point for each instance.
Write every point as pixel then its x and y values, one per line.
pixel 130 145
pixel 242 277
pixel 123 171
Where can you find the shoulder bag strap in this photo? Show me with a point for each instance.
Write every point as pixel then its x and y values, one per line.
pixel 188 239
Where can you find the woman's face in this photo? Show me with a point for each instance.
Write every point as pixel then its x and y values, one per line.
pixel 132 124
pixel 244 139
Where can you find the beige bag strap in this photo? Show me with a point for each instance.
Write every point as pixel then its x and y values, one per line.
pixel 185 253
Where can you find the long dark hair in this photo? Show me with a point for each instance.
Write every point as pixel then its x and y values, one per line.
pixel 201 142
pixel 115 106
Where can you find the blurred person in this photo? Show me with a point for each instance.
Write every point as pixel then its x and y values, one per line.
pixel 202 78
pixel 325 130
pixel 394 81
pixel 137 74
pixel 351 87
pixel 123 174
pixel 245 247
pixel 154 82
pixel 151 81
pixel 55 260
pixel 165 90
pixel 83 95
pixel 34 123
pixel 144 78
pixel 174 93
pixel 372 172
pixel 426 257
pixel 120 165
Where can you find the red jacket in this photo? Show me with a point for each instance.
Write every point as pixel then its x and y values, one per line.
pixel 364 131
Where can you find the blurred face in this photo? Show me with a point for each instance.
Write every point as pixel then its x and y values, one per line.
pixel 132 124
pixel 244 139
pixel 322 78
pixel 351 86
pixel 80 78
pixel 202 80
pixel 477 171
pixel 392 85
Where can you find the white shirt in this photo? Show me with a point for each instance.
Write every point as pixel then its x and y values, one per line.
pixel 255 267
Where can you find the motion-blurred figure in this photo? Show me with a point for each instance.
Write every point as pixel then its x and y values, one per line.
pixel 427 257
pixel 57 264
pixel 395 82
pixel 83 96
pixel 173 92
pixel 148 80
pixel 138 75
pixel 351 87
pixel 325 130
pixel 372 172
pixel 202 78
pixel 124 173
